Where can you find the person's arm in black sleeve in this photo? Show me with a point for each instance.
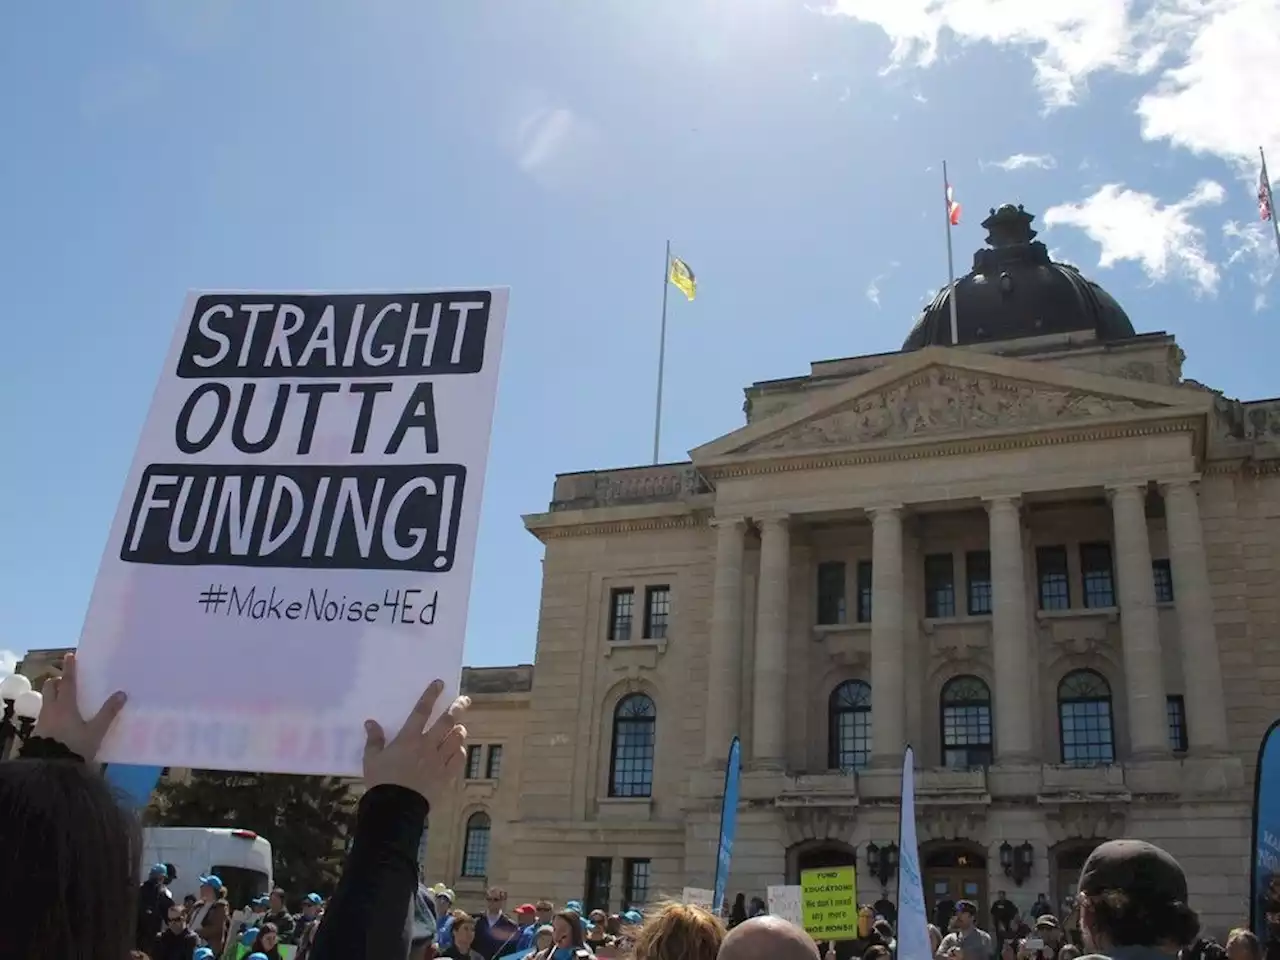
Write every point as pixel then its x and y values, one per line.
pixel 367 916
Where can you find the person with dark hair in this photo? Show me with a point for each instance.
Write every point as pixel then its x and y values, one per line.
pixel 279 915
pixel 175 941
pixel 267 942
pixel 1133 903
pixel 69 875
pixel 739 912
pixel 154 903
pixel 966 942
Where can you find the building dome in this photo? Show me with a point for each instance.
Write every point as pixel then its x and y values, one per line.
pixel 1015 290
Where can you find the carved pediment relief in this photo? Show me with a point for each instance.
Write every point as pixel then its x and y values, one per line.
pixel 939 401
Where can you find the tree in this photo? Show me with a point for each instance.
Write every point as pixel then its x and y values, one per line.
pixel 307 820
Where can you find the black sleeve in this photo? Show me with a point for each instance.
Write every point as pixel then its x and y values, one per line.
pixel 43 748
pixel 368 915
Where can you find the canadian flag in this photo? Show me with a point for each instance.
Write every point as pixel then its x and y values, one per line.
pixel 953 208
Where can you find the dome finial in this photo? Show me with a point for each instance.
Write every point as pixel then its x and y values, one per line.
pixel 1009 226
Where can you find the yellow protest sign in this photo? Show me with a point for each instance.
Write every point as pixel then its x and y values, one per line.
pixel 829 903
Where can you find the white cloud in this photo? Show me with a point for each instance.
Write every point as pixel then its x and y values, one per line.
pixel 1253 246
pixel 1210 63
pixel 1130 225
pixel 919 98
pixel 873 290
pixel 8 662
pixel 1023 161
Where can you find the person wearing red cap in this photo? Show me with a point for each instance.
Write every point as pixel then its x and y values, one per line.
pixel 527 919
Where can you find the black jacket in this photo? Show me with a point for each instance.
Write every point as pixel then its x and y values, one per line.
pixel 153 909
pixel 370 915
pixel 174 946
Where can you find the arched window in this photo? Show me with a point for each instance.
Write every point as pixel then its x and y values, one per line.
pixel 966 723
pixel 1084 719
pixel 475 847
pixel 631 757
pixel 849 726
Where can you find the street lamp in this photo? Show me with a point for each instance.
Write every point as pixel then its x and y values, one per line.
pixel 1017 861
pixel 882 861
pixel 21 709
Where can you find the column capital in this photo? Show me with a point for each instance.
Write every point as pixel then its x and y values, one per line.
pixel 729 523
pixel 1003 501
pixel 776 519
pixel 1172 484
pixel 884 511
pixel 1127 488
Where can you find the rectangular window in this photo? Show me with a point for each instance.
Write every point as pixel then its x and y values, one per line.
pixel 1054 577
pixel 494 766
pixel 1176 710
pixel 1095 569
pixel 622 602
pixel 475 753
pixel 657 612
pixel 864 591
pixel 599 874
pixel 1162 574
pixel 977 570
pixel 939 585
pixel 831 605
pixel 635 889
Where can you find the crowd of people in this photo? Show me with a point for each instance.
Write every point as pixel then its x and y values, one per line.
pixel 70 887
pixel 205 928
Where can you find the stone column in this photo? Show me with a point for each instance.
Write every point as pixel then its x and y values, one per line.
pixel 888 661
pixel 724 673
pixel 1143 664
pixel 1010 633
pixel 1201 668
pixel 769 710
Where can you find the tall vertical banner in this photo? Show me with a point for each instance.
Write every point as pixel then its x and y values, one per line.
pixel 728 822
pixel 913 922
pixel 292 553
pixel 1264 903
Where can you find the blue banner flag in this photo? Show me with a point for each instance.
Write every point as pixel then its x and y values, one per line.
pixel 136 783
pixel 728 822
pixel 1265 886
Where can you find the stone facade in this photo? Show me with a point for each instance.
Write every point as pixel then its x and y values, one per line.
pixel 984 455
pixel 1010 513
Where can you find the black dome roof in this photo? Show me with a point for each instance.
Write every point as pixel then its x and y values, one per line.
pixel 1015 290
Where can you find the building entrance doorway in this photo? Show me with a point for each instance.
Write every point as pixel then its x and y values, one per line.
pixel 954 872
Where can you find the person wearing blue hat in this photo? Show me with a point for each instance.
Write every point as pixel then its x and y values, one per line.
pixel 154 901
pixel 305 922
pixel 211 915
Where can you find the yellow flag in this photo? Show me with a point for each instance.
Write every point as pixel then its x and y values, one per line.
pixel 682 278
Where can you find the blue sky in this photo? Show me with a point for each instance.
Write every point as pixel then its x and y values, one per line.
pixel 791 152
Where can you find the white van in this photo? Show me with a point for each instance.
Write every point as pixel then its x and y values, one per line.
pixel 240 858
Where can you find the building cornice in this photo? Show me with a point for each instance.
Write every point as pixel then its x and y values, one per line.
pixel 785 462
pixel 558 528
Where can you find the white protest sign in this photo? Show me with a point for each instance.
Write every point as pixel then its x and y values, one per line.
pixel 301 515
pixel 697 897
pixel 784 902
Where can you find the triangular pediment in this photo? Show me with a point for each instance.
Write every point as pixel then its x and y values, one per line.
pixel 938 392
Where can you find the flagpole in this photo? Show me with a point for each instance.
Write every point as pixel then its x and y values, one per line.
pixel 662 353
pixel 951 270
pixel 1266 180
